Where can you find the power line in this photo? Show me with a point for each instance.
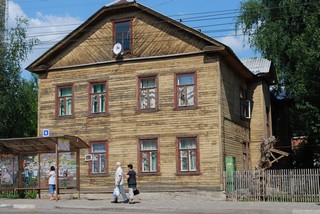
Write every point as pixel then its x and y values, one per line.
pixel 211 15
pixel 190 19
pixel 146 33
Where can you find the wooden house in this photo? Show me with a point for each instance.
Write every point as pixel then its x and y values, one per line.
pixel 142 88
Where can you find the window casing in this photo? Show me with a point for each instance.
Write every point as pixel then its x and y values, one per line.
pixel 148 93
pixel 98 98
pixel 149 155
pixel 185 90
pixel 123 34
pixel 65 101
pixel 188 155
pixel 98 165
pixel 245 107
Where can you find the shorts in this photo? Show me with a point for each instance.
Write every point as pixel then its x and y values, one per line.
pixel 52 188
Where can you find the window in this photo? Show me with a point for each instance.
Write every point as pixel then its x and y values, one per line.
pixel 149 155
pixel 148 93
pixel 65 101
pixel 99 157
pixel 188 160
pixel 185 90
pixel 122 34
pixel 98 98
pixel 244 105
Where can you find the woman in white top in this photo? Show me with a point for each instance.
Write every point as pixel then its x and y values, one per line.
pixel 52 182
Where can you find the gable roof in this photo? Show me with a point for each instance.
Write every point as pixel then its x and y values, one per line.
pixel 40 65
pixel 119 2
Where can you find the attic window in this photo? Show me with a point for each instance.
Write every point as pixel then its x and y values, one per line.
pixel 122 34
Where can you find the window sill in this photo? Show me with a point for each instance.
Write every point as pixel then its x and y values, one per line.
pixel 182 108
pixel 149 174
pixel 147 111
pixel 123 54
pixel 244 118
pixel 99 175
pixel 93 115
pixel 65 117
pixel 188 173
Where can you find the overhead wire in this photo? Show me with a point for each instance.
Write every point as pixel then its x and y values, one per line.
pixel 183 20
pixel 214 16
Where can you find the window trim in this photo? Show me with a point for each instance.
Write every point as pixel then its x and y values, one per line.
pixel 89 99
pixel 245 105
pixel 57 108
pixel 106 159
pixel 157 93
pixel 178 161
pixel 176 102
pixel 139 168
pixel 130 20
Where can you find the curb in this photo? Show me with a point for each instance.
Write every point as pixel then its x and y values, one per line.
pixel 5 205
pixel 198 211
pixel 24 206
pixel 305 211
pixel 19 206
pixel 122 209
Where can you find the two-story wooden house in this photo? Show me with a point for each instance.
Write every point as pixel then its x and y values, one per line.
pixel 142 88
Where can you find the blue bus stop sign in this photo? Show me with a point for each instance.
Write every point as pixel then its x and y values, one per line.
pixel 46 133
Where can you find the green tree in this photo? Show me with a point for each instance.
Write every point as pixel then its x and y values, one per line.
pixel 18 97
pixel 287 32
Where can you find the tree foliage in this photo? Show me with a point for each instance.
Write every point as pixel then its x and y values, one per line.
pixel 287 32
pixel 18 97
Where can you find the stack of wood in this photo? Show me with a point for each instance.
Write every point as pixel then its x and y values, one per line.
pixel 267 153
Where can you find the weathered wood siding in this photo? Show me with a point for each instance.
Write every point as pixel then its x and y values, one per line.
pixel 86 56
pixel 124 125
pixel 150 37
pixel 234 130
pixel 259 121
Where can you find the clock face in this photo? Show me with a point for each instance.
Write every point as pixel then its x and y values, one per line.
pixel 117 48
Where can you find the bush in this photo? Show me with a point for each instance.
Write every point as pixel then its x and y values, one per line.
pixel 10 194
pixel 30 194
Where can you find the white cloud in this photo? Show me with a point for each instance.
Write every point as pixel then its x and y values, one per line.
pixel 14 10
pixel 49 29
pixel 237 44
pixel 232 42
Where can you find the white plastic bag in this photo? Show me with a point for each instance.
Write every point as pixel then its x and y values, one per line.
pixel 116 192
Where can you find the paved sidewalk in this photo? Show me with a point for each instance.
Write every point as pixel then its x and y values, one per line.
pixel 161 203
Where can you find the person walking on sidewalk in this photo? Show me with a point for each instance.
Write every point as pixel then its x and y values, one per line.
pixel 52 182
pixel 132 182
pixel 119 180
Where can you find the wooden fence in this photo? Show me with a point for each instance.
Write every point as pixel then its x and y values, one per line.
pixel 292 185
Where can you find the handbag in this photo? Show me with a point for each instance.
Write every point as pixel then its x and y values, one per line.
pixel 116 192
pixel 136 192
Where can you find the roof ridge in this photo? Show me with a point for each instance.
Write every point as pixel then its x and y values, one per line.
pixel 117 2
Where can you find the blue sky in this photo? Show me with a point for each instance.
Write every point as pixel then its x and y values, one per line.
pixel 51 20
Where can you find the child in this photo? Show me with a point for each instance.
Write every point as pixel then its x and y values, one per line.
pixel 52 182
